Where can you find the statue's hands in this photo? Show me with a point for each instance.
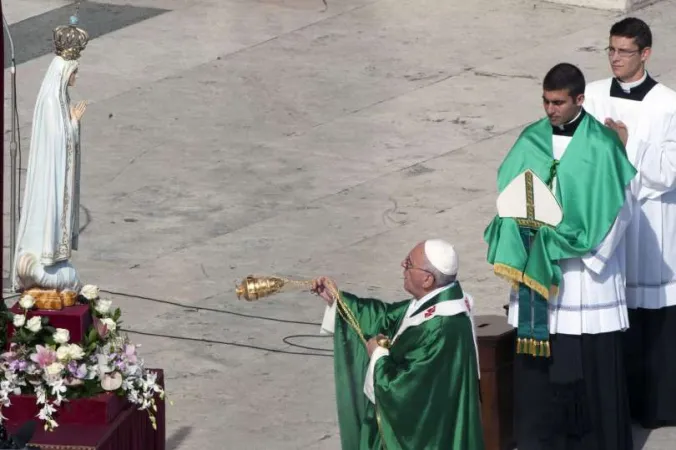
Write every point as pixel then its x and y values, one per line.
pixel 620 128
pixel 324 287
pixel 78 110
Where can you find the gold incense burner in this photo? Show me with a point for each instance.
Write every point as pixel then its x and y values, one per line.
pixel 253 288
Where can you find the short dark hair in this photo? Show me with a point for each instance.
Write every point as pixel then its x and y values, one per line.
pixel 565 76
pixel 631 27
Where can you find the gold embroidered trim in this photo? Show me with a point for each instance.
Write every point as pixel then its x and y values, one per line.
pixel 530 223
pixel 552 292
pixel 62 447
pixel 515 276
pixel 63 252
pixel 530 197
pixel 508 273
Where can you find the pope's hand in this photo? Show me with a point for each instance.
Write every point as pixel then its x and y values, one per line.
pixel 78 110
pixel 324 287
pixel 372 343
pixel 620 128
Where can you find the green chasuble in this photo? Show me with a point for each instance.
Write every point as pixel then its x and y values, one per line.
pixel 592 177
pixel 426 389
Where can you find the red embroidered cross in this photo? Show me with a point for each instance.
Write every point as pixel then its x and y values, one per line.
pixel 430 311
pixel 467 305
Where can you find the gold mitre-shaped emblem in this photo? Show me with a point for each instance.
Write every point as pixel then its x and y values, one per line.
pixel 528 200
pixel 70 40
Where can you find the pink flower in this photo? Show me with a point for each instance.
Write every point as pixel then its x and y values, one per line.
pixel 130 353
pixel 10 355
pixel 101 328
pixel 44 356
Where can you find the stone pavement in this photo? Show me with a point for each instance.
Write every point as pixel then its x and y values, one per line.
pixel 228 137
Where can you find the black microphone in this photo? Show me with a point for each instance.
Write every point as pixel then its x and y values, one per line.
pixel 20 439
pixel 25 434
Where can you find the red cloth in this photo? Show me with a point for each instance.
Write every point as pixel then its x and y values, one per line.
pixel 76 319
pixel 131 430
pixel 99 410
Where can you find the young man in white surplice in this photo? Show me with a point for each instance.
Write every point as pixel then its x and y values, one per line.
pixel 643 112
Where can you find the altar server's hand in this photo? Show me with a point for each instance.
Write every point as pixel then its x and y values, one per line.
pixel 620 128
pixel 324 286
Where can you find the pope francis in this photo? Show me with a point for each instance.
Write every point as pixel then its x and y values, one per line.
pixel 411 381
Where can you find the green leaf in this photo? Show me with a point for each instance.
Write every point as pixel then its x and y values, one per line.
pixel 93 335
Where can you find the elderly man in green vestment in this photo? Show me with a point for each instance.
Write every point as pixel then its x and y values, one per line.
pixel 406 373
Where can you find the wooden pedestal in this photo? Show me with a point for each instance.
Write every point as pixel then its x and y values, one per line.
pixel 496 357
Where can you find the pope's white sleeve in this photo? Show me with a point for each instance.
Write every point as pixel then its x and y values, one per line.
pixel 597 259
pixel 329 321
pixel 369 388
pixel 656 163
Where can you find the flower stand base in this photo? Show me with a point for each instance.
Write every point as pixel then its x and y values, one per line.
pixel 99 410
pixel 76 319
pixel 130 430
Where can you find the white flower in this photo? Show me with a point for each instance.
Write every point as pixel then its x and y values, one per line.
pixel 19 320
pixel 75 352
pixel 68 352
pixel 53 372
pixel 103 306
pixel 61 336
pixel 27 302
pixel 90 292
pixel 111 382
pixel 62 353
pixel 109 323
pixel 34 324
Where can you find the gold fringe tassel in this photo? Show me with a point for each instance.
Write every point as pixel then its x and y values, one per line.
pixel 533 347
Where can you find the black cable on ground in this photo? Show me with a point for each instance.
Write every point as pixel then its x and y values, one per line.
pixel 286 339
pixel 202 308
pixel 234 344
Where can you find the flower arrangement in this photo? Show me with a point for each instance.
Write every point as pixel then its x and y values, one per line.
pixel 43 362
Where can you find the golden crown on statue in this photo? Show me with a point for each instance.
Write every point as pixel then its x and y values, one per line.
pixel 70 40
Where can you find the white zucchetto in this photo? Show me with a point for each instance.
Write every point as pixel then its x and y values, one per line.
pixel 442 256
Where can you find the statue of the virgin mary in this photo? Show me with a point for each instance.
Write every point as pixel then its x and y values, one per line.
pixel 49 224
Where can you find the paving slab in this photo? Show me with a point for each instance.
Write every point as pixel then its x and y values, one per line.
pixel 286 137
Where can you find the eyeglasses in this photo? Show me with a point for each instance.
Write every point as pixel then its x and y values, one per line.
pixel 622 53
pixel 408 265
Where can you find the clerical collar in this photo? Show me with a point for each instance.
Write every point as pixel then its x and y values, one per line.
pixel 636 90
pixel 416 304
pixel 568 129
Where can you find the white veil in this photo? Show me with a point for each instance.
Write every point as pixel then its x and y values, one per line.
pixel 48 227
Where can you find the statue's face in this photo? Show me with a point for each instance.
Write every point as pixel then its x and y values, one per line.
pixel 73 77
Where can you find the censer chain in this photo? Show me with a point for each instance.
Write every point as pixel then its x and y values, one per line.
pixel 344 311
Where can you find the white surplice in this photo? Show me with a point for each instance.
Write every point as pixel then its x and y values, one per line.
pixel 650 116
pixel 591 296
pixel 48 228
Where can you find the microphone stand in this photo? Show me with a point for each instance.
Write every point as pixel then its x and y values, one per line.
pixel 13 151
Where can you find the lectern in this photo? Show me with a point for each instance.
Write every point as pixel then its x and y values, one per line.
pixel 496 342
